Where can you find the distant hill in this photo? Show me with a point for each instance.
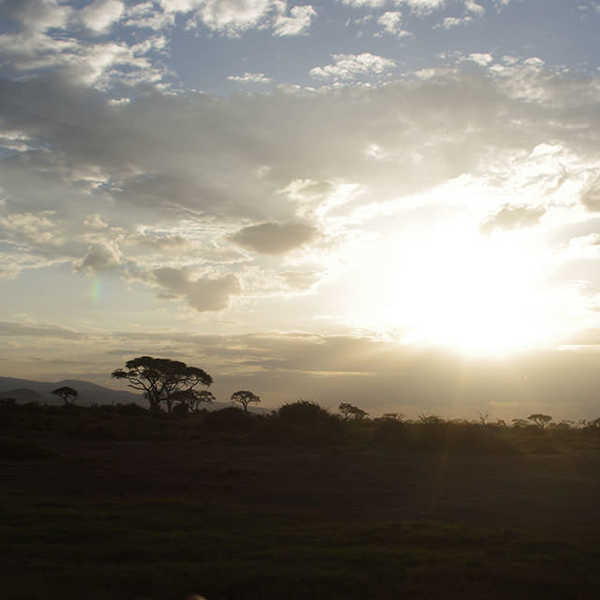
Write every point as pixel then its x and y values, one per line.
pixel 25 390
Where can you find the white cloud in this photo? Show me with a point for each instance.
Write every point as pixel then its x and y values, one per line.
pixel 296 24
pixel 474 8
pixel 148 15
pixel 230 17
pixel 250 78
pixel 36 46
pixel 481 59
pixel 350 66
pixel 392 23
pixel 363 3
pixel 451 22
pixel 422 7
pixel 233 17
pixel 100 15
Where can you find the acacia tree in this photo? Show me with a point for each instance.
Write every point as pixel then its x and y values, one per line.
pixel 66 393
pixel 244 397
pixel 350 411
pixel 161 379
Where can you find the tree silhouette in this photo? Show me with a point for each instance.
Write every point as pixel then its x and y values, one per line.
pixel 244 397
pixel 353 412
pixel 192 399
pixel 66 393
pixel 161 379
pixel 540 420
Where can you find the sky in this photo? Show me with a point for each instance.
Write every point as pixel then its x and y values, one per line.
pixel 393 203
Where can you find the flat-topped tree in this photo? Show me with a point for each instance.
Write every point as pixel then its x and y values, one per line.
pixel 161 379
pixel 244 397
pixel 66 393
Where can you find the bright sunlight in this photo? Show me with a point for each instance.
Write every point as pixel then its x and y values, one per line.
pixel 452 286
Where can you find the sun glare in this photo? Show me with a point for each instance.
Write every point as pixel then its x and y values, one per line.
pixel 456 287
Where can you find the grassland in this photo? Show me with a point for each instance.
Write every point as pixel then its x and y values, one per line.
pixel 100 504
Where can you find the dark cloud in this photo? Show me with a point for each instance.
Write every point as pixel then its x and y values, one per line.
pixel 274 238
pixel 101 257
pixel 513 217
pixel 203 294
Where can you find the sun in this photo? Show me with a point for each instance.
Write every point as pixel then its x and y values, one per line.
pixel 453 286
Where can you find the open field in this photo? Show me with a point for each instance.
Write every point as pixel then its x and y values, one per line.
pixel 136 507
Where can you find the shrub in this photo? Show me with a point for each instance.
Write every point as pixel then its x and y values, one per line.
pixel 303 412
pixel 230 418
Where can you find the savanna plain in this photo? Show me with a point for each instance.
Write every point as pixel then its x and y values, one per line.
pixel 114 502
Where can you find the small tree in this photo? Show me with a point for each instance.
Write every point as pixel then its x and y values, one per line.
pixel 540 420
pixel 66 393
pixel 349 411
pixel 161 379
pixel 244 397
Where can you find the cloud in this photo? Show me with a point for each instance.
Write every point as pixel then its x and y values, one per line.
pixel 203 294
pixel 198 167
pixel 422 7
pixel 250 78
pixel 513 217
pixel 590 195
pixel 161 243
pixel 481 59
pixel 36 15
pixel 274 238
pixel 300 280
pixel 297 23
pixel 35 47
pixel 363 3
pixel 147 15
pixel 451 22
pixel 95 221
pixel 37 330
pixel 351 66
pixel 101 257
pixel 474 8
pixel 100 15
pixel 392 23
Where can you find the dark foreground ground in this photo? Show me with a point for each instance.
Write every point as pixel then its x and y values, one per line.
pixel 157 511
